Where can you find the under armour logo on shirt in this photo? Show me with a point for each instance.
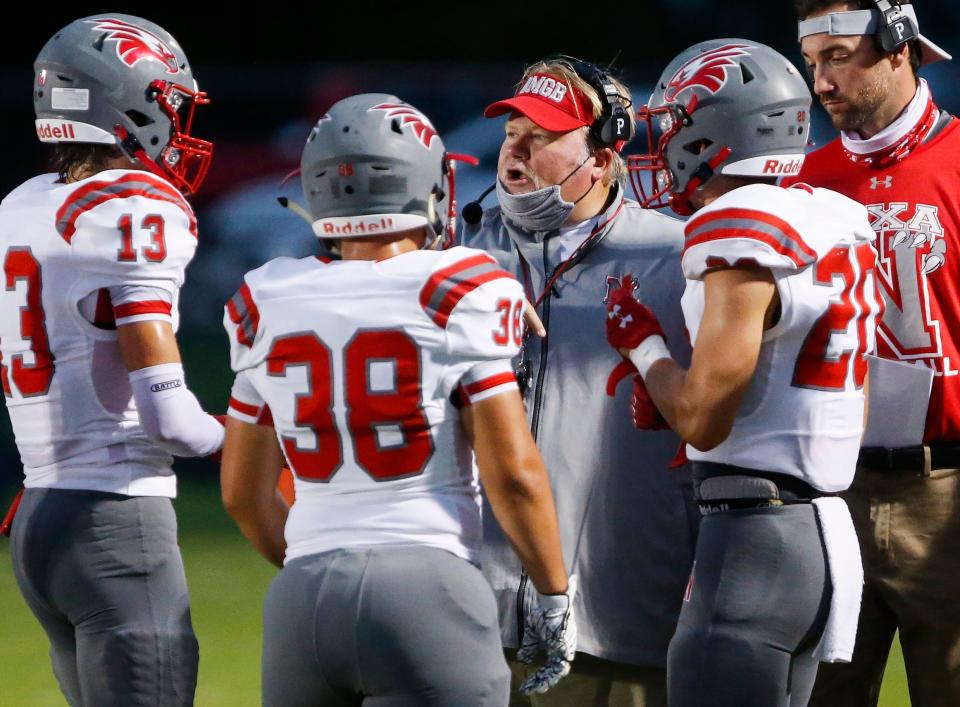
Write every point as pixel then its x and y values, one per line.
pixel 887 182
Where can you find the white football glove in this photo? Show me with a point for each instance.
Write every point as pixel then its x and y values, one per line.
pixel 548 625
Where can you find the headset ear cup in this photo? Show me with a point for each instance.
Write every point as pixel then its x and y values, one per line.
pixel 617 127
pixel 896 28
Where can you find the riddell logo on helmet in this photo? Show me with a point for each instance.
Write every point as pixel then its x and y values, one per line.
pixel 354 227
pixel 58 131
pixel 778 167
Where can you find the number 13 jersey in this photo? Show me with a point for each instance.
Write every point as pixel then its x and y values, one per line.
pixel 802 411
pixel 361 366
pixel 79 259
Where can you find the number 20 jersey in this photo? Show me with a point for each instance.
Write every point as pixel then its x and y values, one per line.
pixel 802 411
pixel 115 244
pixel 914 209
pixel 360 364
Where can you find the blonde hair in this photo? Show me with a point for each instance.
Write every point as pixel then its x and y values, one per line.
pixel 563 70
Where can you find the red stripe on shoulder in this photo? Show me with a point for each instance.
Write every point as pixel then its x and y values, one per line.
pixel 765 238
pixel 788 231
pixel 97 192
pixel 131 309
pixel 435 280
pixel 243 312
pixel 453 297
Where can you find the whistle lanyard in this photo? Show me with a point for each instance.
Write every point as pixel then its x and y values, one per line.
pixel 596 235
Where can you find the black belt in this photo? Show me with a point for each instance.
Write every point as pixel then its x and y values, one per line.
pixel 919 459
pixel 792 489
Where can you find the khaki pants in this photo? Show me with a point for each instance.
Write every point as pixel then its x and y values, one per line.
pixel 594 682
pixel 909 530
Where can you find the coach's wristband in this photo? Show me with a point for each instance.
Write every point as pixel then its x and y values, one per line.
pixel 650 350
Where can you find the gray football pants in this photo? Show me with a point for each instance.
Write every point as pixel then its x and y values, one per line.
pixel 103 574
pixel 756 609
pixel 382 627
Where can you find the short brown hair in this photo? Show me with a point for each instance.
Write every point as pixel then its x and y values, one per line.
pixel 71 158
pixel 563 70
pixel 805 8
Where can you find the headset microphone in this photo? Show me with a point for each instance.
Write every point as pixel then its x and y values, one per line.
pixel 473 212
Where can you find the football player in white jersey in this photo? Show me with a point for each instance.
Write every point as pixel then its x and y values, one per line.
pixel 94 257
pixel 376 378
pixel 781 307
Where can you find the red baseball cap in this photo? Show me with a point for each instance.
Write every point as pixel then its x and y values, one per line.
pixel 549 101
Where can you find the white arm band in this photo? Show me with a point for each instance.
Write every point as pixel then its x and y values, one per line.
pixel 170 414
pixel 650 350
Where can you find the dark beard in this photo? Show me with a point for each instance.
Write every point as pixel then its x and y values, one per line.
pixel 860 109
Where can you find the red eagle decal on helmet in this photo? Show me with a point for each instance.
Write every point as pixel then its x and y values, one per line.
pixel 707 70
pixel 409 115
pixel 136 44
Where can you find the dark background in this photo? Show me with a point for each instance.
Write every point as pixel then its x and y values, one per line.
pixel 273 72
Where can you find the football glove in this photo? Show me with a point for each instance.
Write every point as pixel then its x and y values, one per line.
pixel 645 414
pixel 548 625
pixel 629 323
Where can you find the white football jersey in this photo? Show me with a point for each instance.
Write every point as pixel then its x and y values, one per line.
pixel 361 366
pixel 109 249
pixel 802 413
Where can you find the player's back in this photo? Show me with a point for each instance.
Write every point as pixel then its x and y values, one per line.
pixel 362 365
pixel 64 249
pixel 802 411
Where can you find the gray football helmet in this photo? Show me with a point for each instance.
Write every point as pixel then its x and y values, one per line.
pixel 728 106
pixel 374 164
pixel 120 80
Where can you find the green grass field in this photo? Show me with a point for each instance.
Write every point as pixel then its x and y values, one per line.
pixel 227 582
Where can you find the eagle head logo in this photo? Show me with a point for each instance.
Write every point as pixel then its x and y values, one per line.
pixel 409 117
pixel 135 44
pixel 707 70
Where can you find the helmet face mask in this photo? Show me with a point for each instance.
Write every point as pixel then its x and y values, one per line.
pixel 649 172
pixel 724 106
pixel 185 159
pixel 123 81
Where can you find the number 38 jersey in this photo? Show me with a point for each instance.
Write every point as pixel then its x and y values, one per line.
pixel 79 259
pixel 361 366
pixel 802 412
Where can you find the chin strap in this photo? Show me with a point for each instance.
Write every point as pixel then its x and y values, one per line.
pixel 680 201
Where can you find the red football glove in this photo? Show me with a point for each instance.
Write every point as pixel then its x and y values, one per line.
pixel 646 416
pixel 628 321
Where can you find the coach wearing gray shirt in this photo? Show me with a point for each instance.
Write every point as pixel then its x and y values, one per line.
pixel 564 228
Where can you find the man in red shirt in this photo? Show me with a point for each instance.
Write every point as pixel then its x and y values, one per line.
pixel 898 154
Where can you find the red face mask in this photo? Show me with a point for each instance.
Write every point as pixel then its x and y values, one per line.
pixel 650 174
pixel 186 159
